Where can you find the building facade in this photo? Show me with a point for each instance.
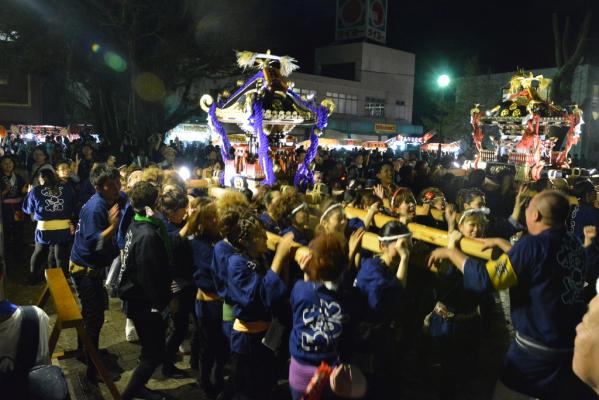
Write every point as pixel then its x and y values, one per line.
pixel 29 99
pixel 371 85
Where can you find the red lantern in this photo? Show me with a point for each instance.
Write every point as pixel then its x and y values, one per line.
pixel 2 132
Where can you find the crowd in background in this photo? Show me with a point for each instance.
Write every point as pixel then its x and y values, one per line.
pixel 338 310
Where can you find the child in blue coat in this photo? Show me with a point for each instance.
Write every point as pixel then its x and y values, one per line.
pixel 320 308
pixel 52 205
pixel 213 346
pixel 381 281
pixel 253 289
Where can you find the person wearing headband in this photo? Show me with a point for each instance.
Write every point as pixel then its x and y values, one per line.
pixel 299 220
pixel 473 222
pixel 381 282
pixel 454 324
pixel 544 272
pixel 332 217
pixel 431 199
pixel 254 288
pixel 403 204
pixel 269 217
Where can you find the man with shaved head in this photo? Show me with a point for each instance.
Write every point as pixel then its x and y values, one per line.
pixel 544 272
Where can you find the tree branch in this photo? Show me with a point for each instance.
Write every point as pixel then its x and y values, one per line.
pixel 566 34
pixel 573 61
pixel 557 40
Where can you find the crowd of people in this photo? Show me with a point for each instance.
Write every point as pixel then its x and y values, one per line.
pixel 319 311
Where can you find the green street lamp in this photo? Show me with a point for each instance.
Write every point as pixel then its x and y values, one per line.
pixel 443 80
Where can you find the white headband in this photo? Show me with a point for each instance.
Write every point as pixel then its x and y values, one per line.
pixel 298 208
pixel 483 210
pixel 328 210
pixel 394 237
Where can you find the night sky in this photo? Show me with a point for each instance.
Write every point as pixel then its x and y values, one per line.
pixel 443 34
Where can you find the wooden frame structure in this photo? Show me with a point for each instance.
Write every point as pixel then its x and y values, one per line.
pixel 68 315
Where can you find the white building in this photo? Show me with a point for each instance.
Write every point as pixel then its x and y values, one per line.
pixel 371 85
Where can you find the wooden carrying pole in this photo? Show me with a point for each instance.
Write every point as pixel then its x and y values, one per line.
pixel 370 241
pixel 420 232
pixel 424 233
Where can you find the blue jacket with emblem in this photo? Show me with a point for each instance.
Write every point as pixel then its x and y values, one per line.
pixel 545 274
pixel 46 204
pixel 319 316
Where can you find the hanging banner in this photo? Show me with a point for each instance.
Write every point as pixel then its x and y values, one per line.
pixel 385 128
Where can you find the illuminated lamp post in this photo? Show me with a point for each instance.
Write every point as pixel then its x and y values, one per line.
pixel 442 81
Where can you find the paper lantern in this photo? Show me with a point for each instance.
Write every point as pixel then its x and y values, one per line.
pixel 2 132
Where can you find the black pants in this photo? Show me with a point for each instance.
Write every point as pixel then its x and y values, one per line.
pixel 213 346
pixel 185 300
pixel 40 256
pixel 13 230
pixel 151 329
pixel 384 344
pixel 457 345
pixel 94 301
pixel 254 374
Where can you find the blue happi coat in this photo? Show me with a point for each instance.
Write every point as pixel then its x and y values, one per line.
pixel 46 204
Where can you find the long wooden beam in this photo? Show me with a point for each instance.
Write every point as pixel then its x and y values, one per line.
pixel 370 241
pixel 424 233
pixel 218 192
pixel 201 183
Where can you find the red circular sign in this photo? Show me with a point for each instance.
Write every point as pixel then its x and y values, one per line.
pixel 352 11
pixel 377 14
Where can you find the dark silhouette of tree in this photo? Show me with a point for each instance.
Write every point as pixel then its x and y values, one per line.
pixel 568 55
pixel 132 67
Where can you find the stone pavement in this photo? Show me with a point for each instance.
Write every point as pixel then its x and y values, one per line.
pixel 419 378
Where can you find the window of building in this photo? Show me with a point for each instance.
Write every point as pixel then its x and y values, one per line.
pixel 344 103
pixel 339 71
pixel 375 107
pixel 305 92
